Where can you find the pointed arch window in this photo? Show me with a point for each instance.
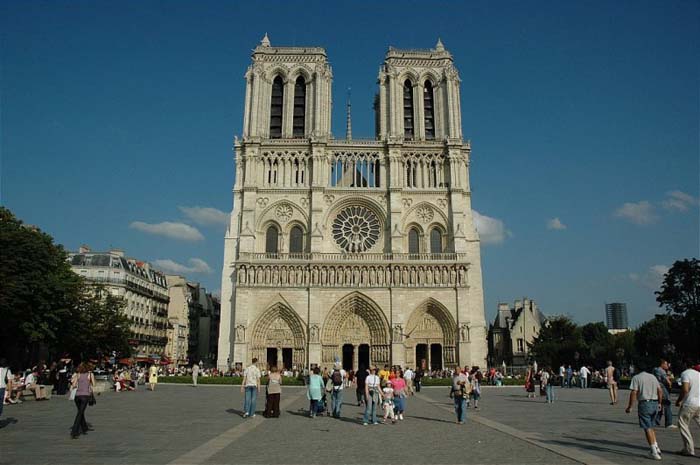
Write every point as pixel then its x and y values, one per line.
pixel 298 120
pixel 413 241
pixel 428 109
pixel 296 240
pixel 276 105
pixel 408 109
pixel 271 240
pixel 436 241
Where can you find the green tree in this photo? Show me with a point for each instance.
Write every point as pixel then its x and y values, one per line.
pixel 38 291
pixel 559 342
pixel 680 296
pixel 598 344
pixel 654 340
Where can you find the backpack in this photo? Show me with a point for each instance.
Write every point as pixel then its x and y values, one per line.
pixel 337 378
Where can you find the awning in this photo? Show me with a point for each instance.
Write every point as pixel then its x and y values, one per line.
pixel 125 361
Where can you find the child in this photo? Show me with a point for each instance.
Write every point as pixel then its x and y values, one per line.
pixel 388 403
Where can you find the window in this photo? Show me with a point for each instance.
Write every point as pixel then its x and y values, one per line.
pixel 428 110
pixel 276 108
pixel 408 109
pixel 521 345
pixel 436 241
pixel 271 239
pixel 299 107
pixel 296 240
pixel 413 241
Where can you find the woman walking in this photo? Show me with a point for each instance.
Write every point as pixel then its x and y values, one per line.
pixel 475 380
pixel 274 391
pixel 315 391
pixel 153 377
pixel 400 394
pixel 530 383
pixel 83 382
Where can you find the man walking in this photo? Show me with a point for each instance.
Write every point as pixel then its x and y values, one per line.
pixel 195 374
pixel 689 401
pixel 408 377
pixel 360 378
pixel 611 380
pixel 583 375
pixel 661 373
pixel 562 375
pixel 338 380
pixel 460 394
pixel 646 391
pixel 250 385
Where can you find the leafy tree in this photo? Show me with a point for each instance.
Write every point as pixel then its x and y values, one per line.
pixel 653 340
pixel 599 344
pixel 38 292
pixel 559 342
pixel 680 296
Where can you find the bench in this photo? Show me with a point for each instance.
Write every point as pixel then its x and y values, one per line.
pixel 29 395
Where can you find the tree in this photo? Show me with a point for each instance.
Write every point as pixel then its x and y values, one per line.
pixel 599 344
pixel 559 342
pixel 680 296
pixel 653 341
pixel 38 292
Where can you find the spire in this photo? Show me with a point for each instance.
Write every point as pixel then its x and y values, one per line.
pixel 439 47
pixel 348 124
pixel 265 42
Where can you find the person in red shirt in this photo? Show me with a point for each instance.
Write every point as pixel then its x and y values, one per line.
pixel 400 394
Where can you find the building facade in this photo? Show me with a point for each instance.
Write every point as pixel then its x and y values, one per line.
pixel 179 320
pixel 513 329
pixel 144 290
pixel 616 316
pixel 363 251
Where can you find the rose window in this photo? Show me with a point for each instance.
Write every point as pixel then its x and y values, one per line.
pixel 356 229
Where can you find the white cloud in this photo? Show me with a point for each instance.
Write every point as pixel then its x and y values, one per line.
pixel 196 265
pixel 651 278
pixel 659 271
pixel 638 213
pixel 205 215
pixel 634 277
pixel 180 231
pixel 491 230
pixel 556 224
pixel 679 201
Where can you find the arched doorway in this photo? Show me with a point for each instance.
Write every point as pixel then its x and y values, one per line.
pixel 279 338
pixel 432 333
pixel 355 332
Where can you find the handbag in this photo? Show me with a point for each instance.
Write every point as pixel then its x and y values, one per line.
pixel 92 400
pixel 73 391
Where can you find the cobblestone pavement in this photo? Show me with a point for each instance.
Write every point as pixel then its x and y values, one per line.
pixel 178 424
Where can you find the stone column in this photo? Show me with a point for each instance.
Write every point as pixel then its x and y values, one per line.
pixel 288 109
pixel 355 356
pixel 279 357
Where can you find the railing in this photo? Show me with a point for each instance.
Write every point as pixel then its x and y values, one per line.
pixel 350 257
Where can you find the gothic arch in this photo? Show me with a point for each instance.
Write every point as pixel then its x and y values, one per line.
pixel 356 319
pixel 277 70
pixel 281 218
pixel 438 217
pixel 303 71
pixel 431 76
pixel 431 323
pixel 279 327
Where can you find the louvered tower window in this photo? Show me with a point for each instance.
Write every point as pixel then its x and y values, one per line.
pixel 276 108
pixel 408 109
pixel 428 109
pixel 299 107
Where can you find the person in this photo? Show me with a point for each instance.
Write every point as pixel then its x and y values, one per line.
pixel 546 378
pixel 63 379
pixel 530 383
pixel 475 381
pixel 661 373
pixel 31 383
pixel 388 402
pixel 647 392
pixel 5 382
pixel 398 386
pixel 195 374
pixel 418 377
pixel 459 394
pixel 337 381
pixel 360 378
pixel 610 379
pixel 250 385
pixel 562 374
pixel 83 382
pixel 569 376
pixel 314 391
pixel 373 394
pixel 408 377
pixel 274 391
pixel 583 374
pixel 384 375
pixel 689 402
pixel 153 377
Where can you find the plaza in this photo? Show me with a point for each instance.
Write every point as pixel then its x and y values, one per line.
pixel 179 424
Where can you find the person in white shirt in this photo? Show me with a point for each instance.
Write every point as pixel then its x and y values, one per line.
pixel 408 377
pixel 38 389
pixel 583 375
pixel 5 382
pixel 195 374
pixel 373 394
pixel 689 401
pixel 562 374
pixel 250 385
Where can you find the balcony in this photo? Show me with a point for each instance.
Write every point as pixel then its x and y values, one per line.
pixel 351 257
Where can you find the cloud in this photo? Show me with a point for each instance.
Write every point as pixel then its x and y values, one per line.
pixel 205 216
pixel 196 265
pixel 491 230
pixel 638 213
pixel 679 201
pixel 180 231
pixel 556 224
pixel 651 278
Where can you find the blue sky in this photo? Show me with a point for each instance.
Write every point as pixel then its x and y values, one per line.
pixel 583 116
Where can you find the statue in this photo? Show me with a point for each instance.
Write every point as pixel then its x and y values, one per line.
pixel 240 333
pixel 313 333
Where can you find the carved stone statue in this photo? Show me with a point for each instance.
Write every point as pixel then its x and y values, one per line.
pixel 398 333
pixel 313 333
pixel 240 333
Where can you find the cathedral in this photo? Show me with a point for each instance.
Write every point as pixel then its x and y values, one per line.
pixel 362 251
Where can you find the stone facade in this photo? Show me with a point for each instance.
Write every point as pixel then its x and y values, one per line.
pixel 358 250
pixel 513 329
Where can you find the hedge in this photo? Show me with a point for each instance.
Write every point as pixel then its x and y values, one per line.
pixel 448 382
pixel 224 380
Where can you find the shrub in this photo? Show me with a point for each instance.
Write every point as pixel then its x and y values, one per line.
pixel 223 380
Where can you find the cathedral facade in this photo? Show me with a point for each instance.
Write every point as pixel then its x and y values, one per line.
pixel 362 251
